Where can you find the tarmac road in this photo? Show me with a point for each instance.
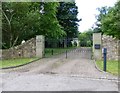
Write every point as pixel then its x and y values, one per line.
pixel 76 73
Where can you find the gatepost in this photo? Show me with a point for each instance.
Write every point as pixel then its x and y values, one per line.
pixel 40 40
pixel 97 46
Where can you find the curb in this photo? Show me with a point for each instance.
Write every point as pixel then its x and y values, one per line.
pixel 21 64
pixel 98 67
pixel 102 70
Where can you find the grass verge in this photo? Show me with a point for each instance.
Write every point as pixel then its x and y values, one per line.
pixel 15 62
pixel 112 66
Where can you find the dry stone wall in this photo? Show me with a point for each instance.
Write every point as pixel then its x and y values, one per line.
pixel 112 45
pixel 25 50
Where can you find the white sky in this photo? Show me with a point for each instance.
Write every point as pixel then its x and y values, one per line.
pixel 87 11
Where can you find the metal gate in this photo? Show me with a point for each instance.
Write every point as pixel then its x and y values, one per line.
pixel 67 48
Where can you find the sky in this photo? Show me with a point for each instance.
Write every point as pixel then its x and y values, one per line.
pixel 87 11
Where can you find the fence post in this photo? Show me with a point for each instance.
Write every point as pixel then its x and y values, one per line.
pixel 66 54
pixel 52 51
pixel 104 51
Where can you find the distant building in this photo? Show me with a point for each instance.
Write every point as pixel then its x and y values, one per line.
pixel 75 42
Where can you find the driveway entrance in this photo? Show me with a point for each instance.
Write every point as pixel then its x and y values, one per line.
pixel 76 73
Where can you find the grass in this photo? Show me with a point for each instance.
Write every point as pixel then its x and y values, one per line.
pixel 48 51
pixel 112 66
pixel 15 62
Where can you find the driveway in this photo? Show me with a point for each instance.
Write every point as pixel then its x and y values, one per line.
pixel 76 73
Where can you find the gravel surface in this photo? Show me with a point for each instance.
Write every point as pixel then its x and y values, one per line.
pixel 57 73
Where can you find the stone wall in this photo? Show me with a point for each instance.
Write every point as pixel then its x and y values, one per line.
pixel 25 50
pixel 112 45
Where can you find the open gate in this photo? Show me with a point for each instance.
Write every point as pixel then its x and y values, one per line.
pixel 67 48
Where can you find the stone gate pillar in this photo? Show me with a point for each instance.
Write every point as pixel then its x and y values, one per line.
pixel 97 46
pixel 40 41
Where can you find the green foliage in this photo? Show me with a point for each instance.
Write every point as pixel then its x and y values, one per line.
pixel 49 23
pixel 102 12
pixel 86 38
pixel 67 17
pixel 109 20
pixel 23 20
pixel 13 19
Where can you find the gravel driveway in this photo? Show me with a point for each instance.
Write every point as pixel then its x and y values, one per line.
pixel 76 73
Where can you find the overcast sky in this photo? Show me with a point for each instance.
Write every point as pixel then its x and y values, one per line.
pixel 87 11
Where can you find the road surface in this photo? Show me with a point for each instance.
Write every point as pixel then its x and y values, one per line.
pixel 76 73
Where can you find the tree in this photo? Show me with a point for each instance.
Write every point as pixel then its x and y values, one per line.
pixel 67 17
pixel 111 22
pixel 86 38
pixel 13 22
pixel 102 13
pixel 22 21
pixel 49 24
pixel 109 19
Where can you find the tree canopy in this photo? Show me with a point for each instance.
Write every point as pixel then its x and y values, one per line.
pixel 86 38
pixel 67 17
pixel 109 20
pixel 24 20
